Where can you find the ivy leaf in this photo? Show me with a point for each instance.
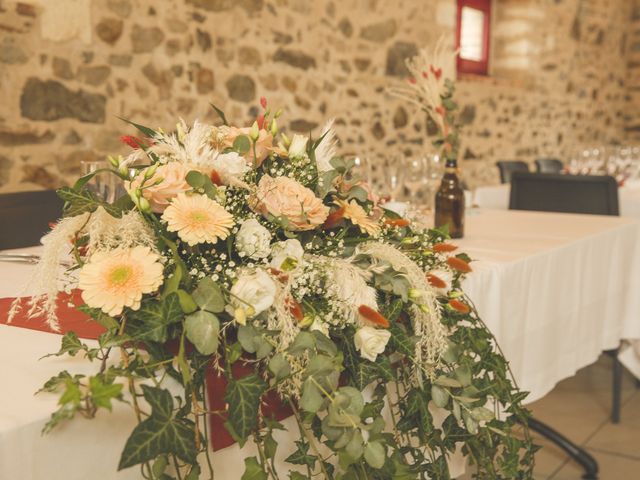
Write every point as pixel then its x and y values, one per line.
pixel 54 383
pixel 208 296
pixel 400 342
pixel 156 436
pixel 70 344
pixel 99 316
pixel 297 476
pixel 301 456
pixel 202 330
pixel 253 470
pixel 243 397
pixel 103 392
pixel 154 317
pixel 160 433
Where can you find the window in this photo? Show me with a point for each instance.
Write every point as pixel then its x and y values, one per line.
pixel 472 36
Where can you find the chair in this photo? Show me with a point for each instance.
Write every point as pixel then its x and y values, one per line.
pixel 588 194
pixel 25 217
pixel 549 165
pixel 508 167
pixel 597 195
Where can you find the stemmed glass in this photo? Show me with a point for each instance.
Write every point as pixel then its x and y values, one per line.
pixel 105 185
pixel 393 177
pixel 415 177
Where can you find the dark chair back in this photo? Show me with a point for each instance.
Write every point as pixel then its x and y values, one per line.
pixel 25 217
pixel 549 165
pixel 548 192
pixel 507 167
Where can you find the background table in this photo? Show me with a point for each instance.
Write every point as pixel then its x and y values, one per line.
pixel 497 197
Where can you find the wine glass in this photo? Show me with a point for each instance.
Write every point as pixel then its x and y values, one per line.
pixel 415 169
pixel 393 180
pixel 105 185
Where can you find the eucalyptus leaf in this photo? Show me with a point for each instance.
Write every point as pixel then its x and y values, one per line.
pixel 202 329
pixel 440 396
pixel 208 296
pixel 374 454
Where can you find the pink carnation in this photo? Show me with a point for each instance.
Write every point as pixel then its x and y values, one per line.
pixel 286 198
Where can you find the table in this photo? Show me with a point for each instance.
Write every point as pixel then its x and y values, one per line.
pixel 497 197
pixel 554 289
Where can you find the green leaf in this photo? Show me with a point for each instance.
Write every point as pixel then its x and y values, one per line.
pixel 160 465
pixel 208 296
pixel 400 342
pixel 195 178
pixel 194 473
pixel 447 382
pixel 463 374
pixel 357 193
pixel 71 345
pixel 144 130
pixel 54 383
pixel 71 394
pixel 253 470
pixel 202 329
pixel 440 396
pixel 156 436
pixel 99 316
pixel 470 424
pixel 103 392
pixel 374 454
pixel 301 455
pixel 243 397
pixel 220 113
pixel 480 414
pixel 279 366
pixel 311 399
pixel 153 318
pixel 187 304
pixel 303 342
pixel 160 401
pixel 242 144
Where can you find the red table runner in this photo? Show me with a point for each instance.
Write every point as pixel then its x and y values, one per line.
pixel 72 320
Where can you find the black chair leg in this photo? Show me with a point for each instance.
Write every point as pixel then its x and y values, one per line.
pixel 616 397
pixel 578 454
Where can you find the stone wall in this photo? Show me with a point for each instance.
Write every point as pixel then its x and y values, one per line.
pixel 70 68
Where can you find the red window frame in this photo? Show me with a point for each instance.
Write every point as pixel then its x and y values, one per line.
pixel 480 67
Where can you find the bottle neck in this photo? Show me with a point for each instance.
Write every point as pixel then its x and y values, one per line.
pixel 451 166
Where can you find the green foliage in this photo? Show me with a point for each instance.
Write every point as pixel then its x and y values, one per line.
pixel 161 433
pixel 243 396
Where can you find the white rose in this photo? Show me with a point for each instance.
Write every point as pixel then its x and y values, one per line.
pixel 371 342
pixel 253 293
pixel 298 147
pixel 253 240
pixel 281 251
pixel 230 165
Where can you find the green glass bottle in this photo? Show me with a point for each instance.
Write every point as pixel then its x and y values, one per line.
pixel 450 201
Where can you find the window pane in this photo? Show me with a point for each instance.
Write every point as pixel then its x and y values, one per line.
pixel 471 34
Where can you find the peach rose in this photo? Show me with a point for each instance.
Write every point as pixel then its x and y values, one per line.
pixel 284 197
pixel 264 144
pixel 173 182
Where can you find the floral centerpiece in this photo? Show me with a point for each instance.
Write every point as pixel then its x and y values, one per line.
pixel 244 247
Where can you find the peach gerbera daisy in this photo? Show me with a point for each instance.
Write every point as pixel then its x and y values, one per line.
pixel 118 278
pixel 197 219
pixel 359 217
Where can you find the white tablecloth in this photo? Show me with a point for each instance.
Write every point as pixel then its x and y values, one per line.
pixel 555 289
pixel 497 197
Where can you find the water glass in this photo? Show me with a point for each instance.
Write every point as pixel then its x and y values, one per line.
pixel 105 185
